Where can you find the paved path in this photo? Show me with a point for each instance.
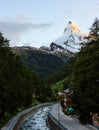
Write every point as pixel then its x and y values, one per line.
pixel 66 121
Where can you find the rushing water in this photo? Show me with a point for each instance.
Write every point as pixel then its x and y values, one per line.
pixel 36 121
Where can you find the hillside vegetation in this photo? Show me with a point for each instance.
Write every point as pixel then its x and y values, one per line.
pixel 18 85
pixel 86 80
pixel 62 73
pixel 40 62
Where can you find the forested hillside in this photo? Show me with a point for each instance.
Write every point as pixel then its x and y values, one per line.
pixel 86 76
pixel 62 73
pixel 18 85
pixel 86 80
pixel 40 62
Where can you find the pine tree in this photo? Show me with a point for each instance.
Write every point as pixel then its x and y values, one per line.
pixel 94 30
pixel 86 85
pixel 4 42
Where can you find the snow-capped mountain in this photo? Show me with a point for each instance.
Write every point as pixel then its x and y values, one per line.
pixel 71 40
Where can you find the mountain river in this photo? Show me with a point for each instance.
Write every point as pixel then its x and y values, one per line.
pixel 37 121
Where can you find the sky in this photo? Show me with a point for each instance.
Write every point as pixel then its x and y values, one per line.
pixel 39 22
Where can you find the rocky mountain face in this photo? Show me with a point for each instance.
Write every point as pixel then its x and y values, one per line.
pixel 70 42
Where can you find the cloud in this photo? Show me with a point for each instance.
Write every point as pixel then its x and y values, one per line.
pixel 97 4
pixel 14 29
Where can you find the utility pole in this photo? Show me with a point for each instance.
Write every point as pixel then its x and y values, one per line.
pixel 59 113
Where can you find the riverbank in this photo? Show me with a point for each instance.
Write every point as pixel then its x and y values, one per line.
pixel 16 121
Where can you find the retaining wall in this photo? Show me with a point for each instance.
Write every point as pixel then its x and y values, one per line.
pixel 59 124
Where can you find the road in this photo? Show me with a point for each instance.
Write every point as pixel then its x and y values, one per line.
pixel 66 121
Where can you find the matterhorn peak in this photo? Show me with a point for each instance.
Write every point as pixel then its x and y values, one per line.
pixel 71 40
pixel 72 26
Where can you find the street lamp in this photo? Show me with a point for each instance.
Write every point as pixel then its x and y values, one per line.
pixel 59 113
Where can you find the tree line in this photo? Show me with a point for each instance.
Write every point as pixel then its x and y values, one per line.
pixel 18 84
pixel 86 77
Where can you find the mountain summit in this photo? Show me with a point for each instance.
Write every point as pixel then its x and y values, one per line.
pixel 73 27
pixel 71 40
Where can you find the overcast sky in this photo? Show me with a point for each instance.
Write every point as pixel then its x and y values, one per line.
pixel 39 22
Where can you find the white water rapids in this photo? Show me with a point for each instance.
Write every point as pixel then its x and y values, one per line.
pixel 37 121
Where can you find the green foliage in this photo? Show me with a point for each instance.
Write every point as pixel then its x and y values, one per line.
pixel 8 116
pixel 40 62
pixel 57 87
pixel 86 80
pixel 61 74
pixel 18 84
pixel 94 30
pixel 43 92
pixel 61 86
pixel 3 41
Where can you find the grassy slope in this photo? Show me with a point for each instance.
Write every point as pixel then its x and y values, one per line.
pixel 57 87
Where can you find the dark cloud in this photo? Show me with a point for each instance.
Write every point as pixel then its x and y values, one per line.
pixel 19 26
pixel 14 30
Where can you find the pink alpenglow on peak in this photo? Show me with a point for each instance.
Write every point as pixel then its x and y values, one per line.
pixel 73 27
pixel 71 40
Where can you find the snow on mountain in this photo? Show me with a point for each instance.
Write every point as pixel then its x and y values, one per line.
pixel 71 40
